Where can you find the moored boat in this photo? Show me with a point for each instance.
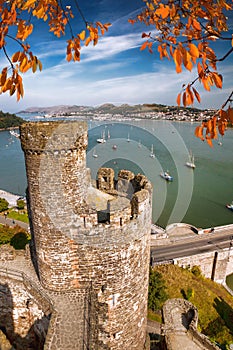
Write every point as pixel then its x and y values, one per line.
pixel 165 175
pixel 230 206
pixel 14 133
pixel 102 139
pixel 152 155
pixel 191 163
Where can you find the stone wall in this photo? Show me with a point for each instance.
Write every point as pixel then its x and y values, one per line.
pixel 25 312
pixel 215 265
pixel 180 318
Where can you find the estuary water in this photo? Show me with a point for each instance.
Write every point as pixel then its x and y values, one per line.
pixel 198 196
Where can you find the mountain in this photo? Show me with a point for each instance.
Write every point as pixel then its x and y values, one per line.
pixel 60 109
pixel 105 108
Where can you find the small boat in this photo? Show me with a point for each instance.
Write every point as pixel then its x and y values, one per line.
pixel 139 144
pixel 102 139
pixel 191 163
pixel 94 155
pixel 165 175
pixel 109 136
pixel 152 155
pixel 14 133
pixel 114 147
pixel 128 139
pixel 230 206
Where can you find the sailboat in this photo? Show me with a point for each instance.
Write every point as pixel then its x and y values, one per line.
pixel 139 144
pixel 191 163
pixel 102 139
pixel 152 155
pixel 128 139
pixel 94 154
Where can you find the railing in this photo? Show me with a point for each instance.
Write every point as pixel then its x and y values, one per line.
pixel 22 277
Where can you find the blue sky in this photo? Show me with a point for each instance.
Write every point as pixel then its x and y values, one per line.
pixel 114 71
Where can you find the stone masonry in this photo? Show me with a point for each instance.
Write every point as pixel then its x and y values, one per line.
pixel 90 245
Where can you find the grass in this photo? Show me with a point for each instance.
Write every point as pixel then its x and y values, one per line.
pixel 214 303
pixel 20 215
pixel 153 316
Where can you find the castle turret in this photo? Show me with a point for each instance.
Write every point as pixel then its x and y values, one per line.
pixel 89 238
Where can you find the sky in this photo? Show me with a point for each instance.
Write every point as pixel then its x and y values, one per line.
pixel 114 71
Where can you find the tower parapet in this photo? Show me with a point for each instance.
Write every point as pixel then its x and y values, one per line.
pixel 89 236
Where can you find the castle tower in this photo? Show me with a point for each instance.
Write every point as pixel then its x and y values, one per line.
pixel 89 240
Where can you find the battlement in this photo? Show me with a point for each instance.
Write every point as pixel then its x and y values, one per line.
pixel 122 200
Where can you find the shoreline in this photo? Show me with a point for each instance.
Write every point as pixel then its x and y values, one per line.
pixel 10 197
pixel 9 128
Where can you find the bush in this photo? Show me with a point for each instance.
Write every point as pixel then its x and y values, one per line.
pixel 20 204
pixel 3 204
pixel 196 271
pixel 19 240
pixel 157 290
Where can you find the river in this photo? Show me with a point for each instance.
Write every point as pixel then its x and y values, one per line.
pixel 198 196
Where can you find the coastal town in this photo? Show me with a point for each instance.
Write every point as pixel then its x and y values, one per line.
pixel 122 112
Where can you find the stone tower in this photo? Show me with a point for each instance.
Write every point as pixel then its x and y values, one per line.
pixel 90 243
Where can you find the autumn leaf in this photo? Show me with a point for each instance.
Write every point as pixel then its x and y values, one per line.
pixel 82 35
pixel 193 50
pixel 217 79
pixel 177 56
pixel 178 99
pixel 196 94
pixel 199 132
pixel 230 115
pixel 209 141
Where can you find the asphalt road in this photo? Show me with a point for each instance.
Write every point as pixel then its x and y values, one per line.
pixel 12 223
pixel 199 244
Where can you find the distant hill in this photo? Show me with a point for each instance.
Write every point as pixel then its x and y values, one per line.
pixel 8 120
pixel 55 109
pixel 105 108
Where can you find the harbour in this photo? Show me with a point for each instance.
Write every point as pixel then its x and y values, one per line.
pixel 195 196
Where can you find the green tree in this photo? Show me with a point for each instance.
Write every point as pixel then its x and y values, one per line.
pixel 20 204
pixel 3 204
pixel 157 290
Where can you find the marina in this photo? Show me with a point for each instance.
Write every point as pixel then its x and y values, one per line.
pixel 196 197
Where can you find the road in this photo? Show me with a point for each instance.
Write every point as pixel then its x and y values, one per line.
pixel 192 246
pixel 12 223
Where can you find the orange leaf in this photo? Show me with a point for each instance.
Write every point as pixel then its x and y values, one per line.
pixel 209 141
pixel 223 115
pixel 196 95
pixel 177 57
pixel 205 83
pixel 163 11
pixel 178 99
pixel 200 70
pixel 196 25
pixel 230 114
pixel 221 128
pixel 217 79
pixel 144 45
pixel 193 50
pixel 189 94
pixel 199 132
pixel 15 56
pixel 88 40
pixel 184 99
pixel 82 35
pixel 187 60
